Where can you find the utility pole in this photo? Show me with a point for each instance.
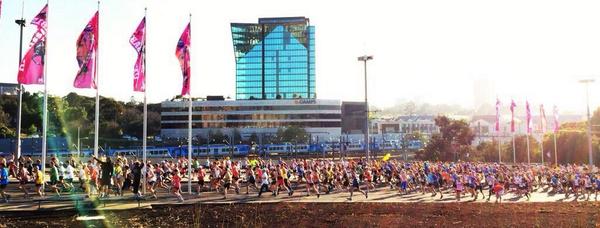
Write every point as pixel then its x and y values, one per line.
pixel 589 121
pixel 364 59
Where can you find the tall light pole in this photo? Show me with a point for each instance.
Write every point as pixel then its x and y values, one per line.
pixel 21 23
pixel 587 82
pixel 364 59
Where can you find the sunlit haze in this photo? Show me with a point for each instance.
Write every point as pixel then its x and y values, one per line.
pixel 424 51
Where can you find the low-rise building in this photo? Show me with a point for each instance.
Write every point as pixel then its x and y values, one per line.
pixel 320 118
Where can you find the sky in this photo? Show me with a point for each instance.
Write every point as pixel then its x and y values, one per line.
pixel 425 51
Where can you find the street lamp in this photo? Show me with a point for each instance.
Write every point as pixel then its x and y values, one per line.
pixel 364 59
pixel 587 82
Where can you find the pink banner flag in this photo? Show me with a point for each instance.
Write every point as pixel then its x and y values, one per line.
pixel 556 123
pixel 497 115
pixel 183 54
pixel 543 122
pixel 138 41
pixel 31 68
pixel 528 117
pixel 512 115
pixel 87 47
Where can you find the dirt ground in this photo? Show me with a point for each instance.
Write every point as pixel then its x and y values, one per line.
pixel 325 215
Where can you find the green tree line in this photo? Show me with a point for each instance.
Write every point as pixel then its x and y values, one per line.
pixel 72 112
pixel 454 142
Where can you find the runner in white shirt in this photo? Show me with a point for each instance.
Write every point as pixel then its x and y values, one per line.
pixel 264 182
pixel 69 176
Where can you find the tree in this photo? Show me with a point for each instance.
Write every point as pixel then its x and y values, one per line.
pixel 110 130
pixel 217 137
pixel 434 149
pixel 486 151
pixel 453 142
pixel 132 122
pixel 31 112
pixel 291 134
pixel 5 130
pixel 32 129
pixel 153 123
pixel 237 136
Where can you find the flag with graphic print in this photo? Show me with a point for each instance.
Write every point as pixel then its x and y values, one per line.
pixel 183 55
pixel 31 68
pixel 138 41
pixel 497 115
pixel 543 121
pixel 87 54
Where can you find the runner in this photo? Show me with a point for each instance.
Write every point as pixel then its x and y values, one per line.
pixel 355 186
pixel 498 191
pixel 107 169
pixel 118 177
pixel 39 180
pixel 587 185
pixel 54 181
pixel 458 186
pixel 235 177
pixel 597 184
pixel 251 179
pixel 201 175
pixel 136 172
pixel 69 175
pixel 151 179
pixel 3 181
pixel 227 178
pixel 264 182
pixel 23 177
pixel 176 185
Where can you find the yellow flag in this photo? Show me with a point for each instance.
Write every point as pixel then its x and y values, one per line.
pixel 386 157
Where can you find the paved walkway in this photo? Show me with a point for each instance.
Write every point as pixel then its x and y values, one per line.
pixel 381 194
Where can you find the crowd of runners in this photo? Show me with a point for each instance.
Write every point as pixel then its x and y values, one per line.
pixel 106 176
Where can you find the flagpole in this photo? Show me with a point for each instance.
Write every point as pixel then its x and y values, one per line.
pixel 97 82
pixel 514 150
pixel 542 147
pixel 555 131
pixel 528 130
pixel 498 129
pixel 542 130
pixel 21 24
pixel 528 156
pixel 555 150
pixel 512 128
pixel 45 111
pixel 190 115
pixel 499 150
pixel 145 135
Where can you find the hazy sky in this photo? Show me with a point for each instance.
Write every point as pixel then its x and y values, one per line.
pixel 427 51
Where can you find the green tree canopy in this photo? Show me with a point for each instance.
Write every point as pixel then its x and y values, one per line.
pixel 453 142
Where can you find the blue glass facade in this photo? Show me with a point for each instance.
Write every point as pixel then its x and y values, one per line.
pixel 275 59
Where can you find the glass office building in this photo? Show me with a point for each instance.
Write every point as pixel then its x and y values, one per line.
pixel 275 58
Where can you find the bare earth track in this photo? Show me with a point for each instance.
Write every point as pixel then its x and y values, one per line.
pixel 329 214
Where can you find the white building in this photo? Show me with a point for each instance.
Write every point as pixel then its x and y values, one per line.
pixel 424 124
pixel 320 118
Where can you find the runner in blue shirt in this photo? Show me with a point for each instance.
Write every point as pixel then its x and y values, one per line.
pixel 3 181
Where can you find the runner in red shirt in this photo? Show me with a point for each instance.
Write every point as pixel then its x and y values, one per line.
pixel 176 185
